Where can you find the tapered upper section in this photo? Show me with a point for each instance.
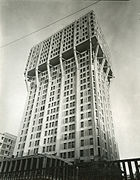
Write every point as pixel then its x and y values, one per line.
pixel 77 34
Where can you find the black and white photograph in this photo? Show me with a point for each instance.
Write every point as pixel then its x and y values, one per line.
pixel 70 89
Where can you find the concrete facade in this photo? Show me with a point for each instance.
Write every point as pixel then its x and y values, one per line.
pixel 68 111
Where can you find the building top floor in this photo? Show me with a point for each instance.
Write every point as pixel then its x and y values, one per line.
pixel 75 36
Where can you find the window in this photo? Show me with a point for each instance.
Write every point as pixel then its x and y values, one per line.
pixel 89 114
pixel 98 141
pixel 89 98
pixel 38 135
pixel 66 128
pixel 55 131
pixel 56 122
pixel 65 145
pixel 37 143
pixel 89 123
pixel 90 131
pixel 82 142
pixel 69 154
pixel 66 120
pixel 82 133
pixel 69 145
pixel 82 116
pixel 54 139
pixel 99 152
pixel 45 133
pixel 39 128
pixel 91 141
pixel 105 146
pixel 104 136
pixel 30 144
pixel 28 152
pixel 35 150
pixel 53 147
pixel 66 113
pixel 19 146
pixel 65 136
pixel 82 124
pixel 84 86
pixel 73 144
pixel 44 141
pixel 92 152
pixel 43 149
pixel 71 135
pixel 72 111
pixel 81 153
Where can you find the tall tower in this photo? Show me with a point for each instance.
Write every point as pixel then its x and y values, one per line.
pixel 67 112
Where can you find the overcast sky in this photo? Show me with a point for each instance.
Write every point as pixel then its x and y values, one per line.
pixel 120 22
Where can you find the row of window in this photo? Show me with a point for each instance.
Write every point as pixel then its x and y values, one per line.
pixel 83 153
pixel 69 145
pixel 69 154
pixel 69 105
pixel 53 110
pixel 48 148
pixel 86 143
pixel 86 132
pixel 83 124
pixel 69 128
pixel 70 98
pixel 51 132
pixel 70 112
pixel 52 117
pixel 68 136
pixel 51 124
pixel 69 119
pixel 50 140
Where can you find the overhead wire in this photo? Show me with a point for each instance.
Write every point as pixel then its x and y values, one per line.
pixel 38 30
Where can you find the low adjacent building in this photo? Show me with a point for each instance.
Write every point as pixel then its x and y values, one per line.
pixel 7 144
